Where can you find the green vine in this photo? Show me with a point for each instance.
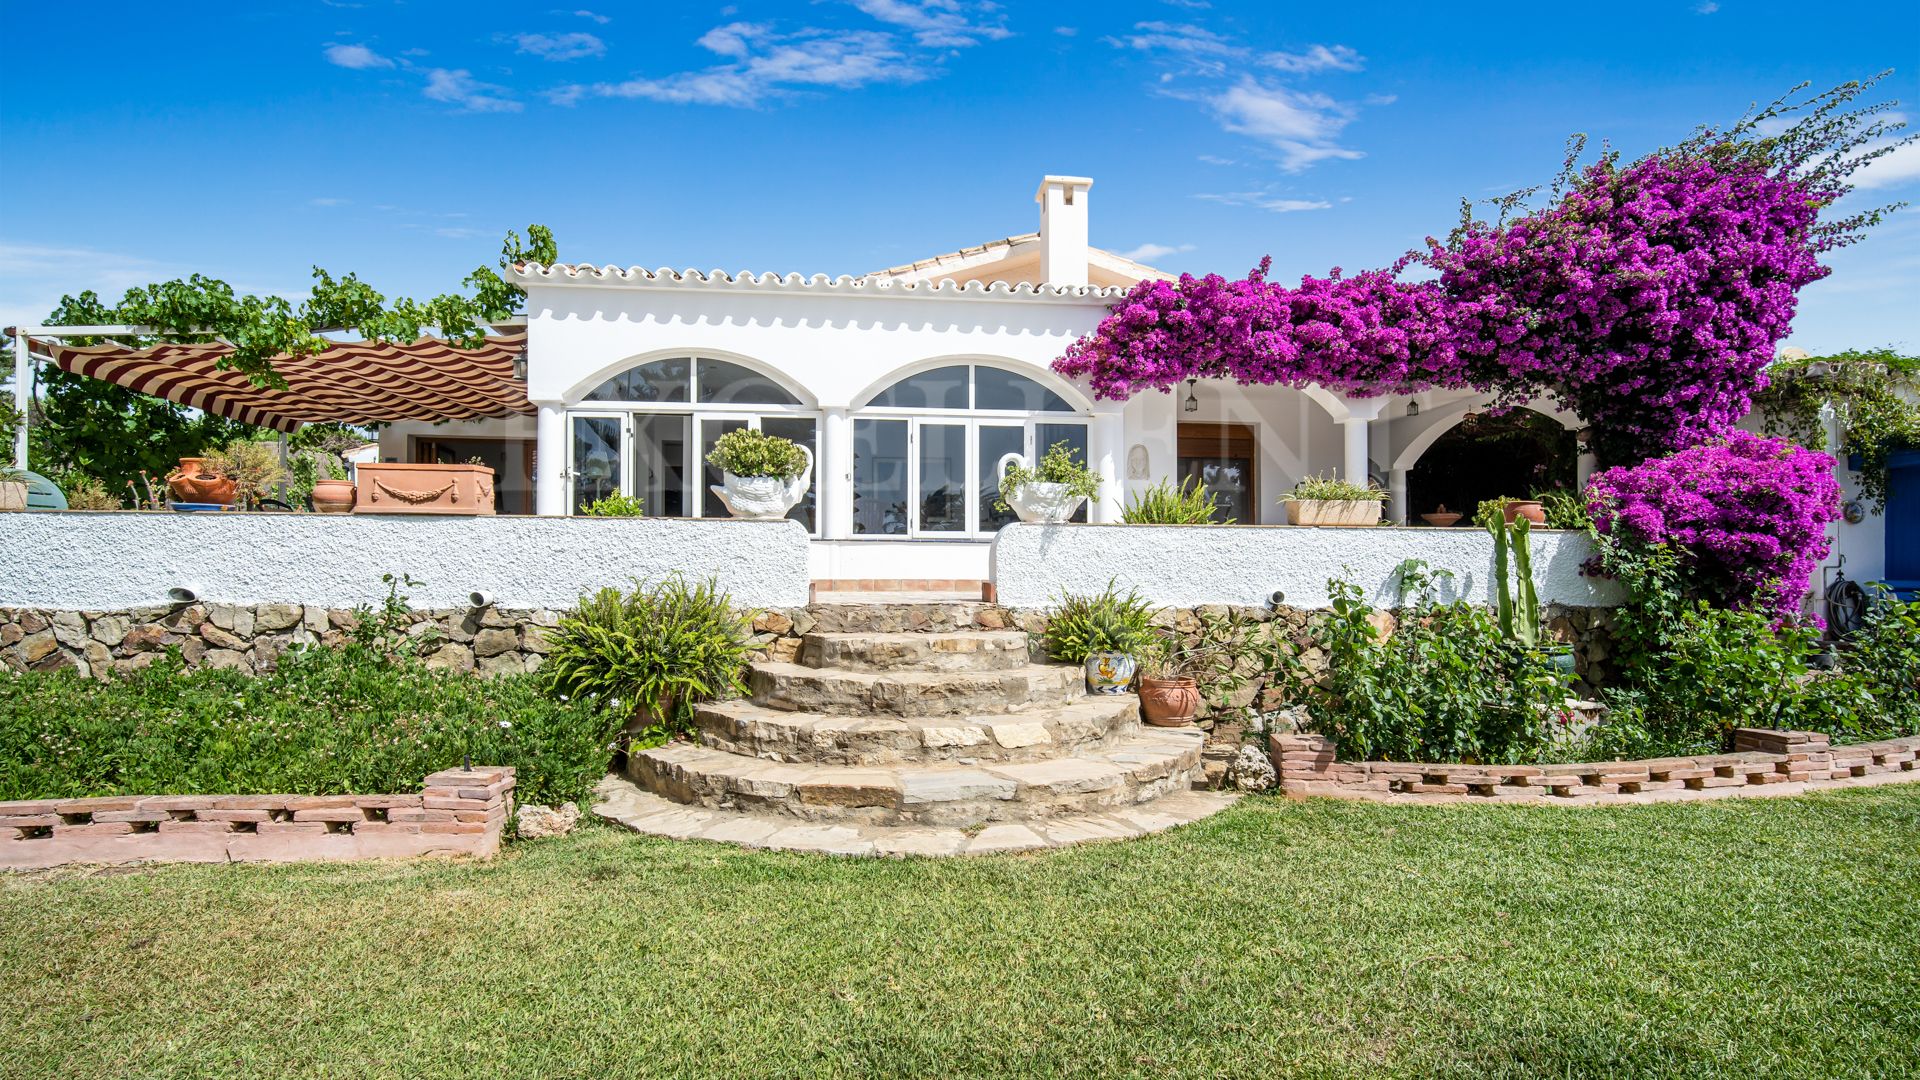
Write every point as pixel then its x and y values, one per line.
pixel 1873 393
pixel 201 308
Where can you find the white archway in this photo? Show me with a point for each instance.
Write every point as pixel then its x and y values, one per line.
pixel 576 393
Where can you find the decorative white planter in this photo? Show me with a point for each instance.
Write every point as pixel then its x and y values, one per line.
pixel 1333 511
pixel 764 498
pixel 1049 504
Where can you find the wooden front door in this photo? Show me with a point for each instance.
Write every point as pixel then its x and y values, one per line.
pixel 1224 459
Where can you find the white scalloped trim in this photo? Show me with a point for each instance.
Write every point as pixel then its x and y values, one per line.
pixel 583 274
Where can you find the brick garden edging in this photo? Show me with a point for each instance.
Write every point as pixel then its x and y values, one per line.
pixel 1764 762
pixel 458 812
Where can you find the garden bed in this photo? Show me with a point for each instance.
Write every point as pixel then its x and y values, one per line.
pixel 457 812
pixel 1764 761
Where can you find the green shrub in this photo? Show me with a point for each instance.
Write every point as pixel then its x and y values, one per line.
pixel 650 654
pixel 1447 685
pixel 1566 509
pixel 1058 466
pixel 1875 692
pixel 1328 489
pixel 1189 503
pixel 327 721
pixel 1082 625
pixel 747 453
pixel 88 493
pixel 616 505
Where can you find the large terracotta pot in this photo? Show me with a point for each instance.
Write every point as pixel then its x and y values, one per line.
pixel 1169 702
pixel 13 494
pixel 1110 672
pixel 333 496
pixel 1527 508
pixel 1333 511
pixel 193 482
pixel 391 488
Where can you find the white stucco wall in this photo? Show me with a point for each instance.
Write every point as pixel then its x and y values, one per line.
pixel 1182 566
pixel 130 559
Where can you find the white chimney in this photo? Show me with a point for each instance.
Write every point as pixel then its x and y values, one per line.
pixel 1063 229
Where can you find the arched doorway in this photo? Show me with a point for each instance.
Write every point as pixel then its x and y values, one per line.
pixel 1517 453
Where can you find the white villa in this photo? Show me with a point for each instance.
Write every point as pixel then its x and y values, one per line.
pixel 908 385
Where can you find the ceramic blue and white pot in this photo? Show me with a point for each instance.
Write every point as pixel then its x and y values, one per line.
pixel 1109 672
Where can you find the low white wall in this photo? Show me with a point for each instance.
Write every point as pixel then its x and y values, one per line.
pixel 109 561
pixel 964 560
pixel 1188 565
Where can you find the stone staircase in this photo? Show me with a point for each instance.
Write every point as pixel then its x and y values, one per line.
pixel 910 729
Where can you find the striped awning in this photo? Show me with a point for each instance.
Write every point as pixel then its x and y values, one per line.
pixel 361 382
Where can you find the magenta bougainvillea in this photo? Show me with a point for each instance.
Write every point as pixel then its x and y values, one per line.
pixel 1647 297
pixel 1749 514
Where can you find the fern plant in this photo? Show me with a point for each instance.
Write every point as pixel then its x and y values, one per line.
pixel 652 652
pixel 1189 503
pixel 1107 623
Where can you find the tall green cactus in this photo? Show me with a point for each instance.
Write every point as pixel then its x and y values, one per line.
pixel 1516 605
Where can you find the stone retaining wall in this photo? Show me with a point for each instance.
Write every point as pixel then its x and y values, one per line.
pixel 1763 762
pixel 457 812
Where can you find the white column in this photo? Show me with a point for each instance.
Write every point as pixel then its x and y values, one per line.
pixel 549 461
pixel 1397 487
pixel 833 475
pixel 1354 461
pixel 22 376
pixel 1583 465
pixel 1107 453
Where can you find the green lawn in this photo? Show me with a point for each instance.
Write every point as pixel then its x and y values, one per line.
pixel 1744 938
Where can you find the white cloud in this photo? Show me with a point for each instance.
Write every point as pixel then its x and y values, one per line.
pixel 765 64
pixel 1215 159
pixel 1902 166
pixel 1301 127
pixel 1316 58
pixel 328 200
pixel 1178 38
pixel 572 46
pixel 595 16
pixel 940 23
pixel 1150 252
pixel 1066 31
pixel 357 57
pixel 1266 201
pixel 1705 7
pixel 33 278
pixel 459 87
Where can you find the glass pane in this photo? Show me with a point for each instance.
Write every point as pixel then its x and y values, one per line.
pixel 662 380
pixel 1075 436
pixel 801 430
pixel 1228 480
pixel 596 458
pixel 995 443
pixel 710 432
pixel 997 389
pixel 941 388
pixel 726 383
pixel 660 463
pixel 880 477
pixel 943 478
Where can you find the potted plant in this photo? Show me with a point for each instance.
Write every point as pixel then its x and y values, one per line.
pixel 1169 691
pixel 13 489
pixel 332 493
pixel 1320 500
pixel 392 487
pixel 1181 668
pixel 253 468
pixel 1048 493
pixel 762 476
pixel 1103 633
pixel 197 482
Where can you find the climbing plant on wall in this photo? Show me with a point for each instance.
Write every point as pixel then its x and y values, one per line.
pixel 1874 394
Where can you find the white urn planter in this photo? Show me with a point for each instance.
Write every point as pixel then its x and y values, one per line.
pixel 764 498
pixel 1048 504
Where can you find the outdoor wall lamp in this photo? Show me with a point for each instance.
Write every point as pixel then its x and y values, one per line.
pixel 520 367
pixel 1413 408
pixel 1193 402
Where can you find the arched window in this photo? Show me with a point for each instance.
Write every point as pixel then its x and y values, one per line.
pixel 925 448
pixel 646 432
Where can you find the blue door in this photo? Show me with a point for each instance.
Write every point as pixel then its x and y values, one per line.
pixel 1903 524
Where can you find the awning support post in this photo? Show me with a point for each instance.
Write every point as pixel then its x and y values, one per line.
pixel 22 395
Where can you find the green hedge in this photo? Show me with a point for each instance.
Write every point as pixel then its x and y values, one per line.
pixel 327 721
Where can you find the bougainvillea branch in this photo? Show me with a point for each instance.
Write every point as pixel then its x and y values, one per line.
pixel 1647 297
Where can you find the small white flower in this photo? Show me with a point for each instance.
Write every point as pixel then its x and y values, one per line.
pixel 506 724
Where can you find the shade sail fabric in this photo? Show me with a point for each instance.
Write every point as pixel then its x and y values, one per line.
pixel 361 382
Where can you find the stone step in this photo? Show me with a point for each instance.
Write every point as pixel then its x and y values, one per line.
pixel 1134 770
pixel 921 617
pixel 800 688
pixel 758 731
pixel 619 800
pixel 973 650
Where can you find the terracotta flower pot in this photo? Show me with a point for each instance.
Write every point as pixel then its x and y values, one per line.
pixel 193 482
pixel 333 496
pixel 1527 508
pixel 393 488
pixel 1169 702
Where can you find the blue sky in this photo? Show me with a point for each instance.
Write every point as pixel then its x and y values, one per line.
pixel 400 140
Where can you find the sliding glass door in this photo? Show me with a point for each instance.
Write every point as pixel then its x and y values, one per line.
pixel 934 477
